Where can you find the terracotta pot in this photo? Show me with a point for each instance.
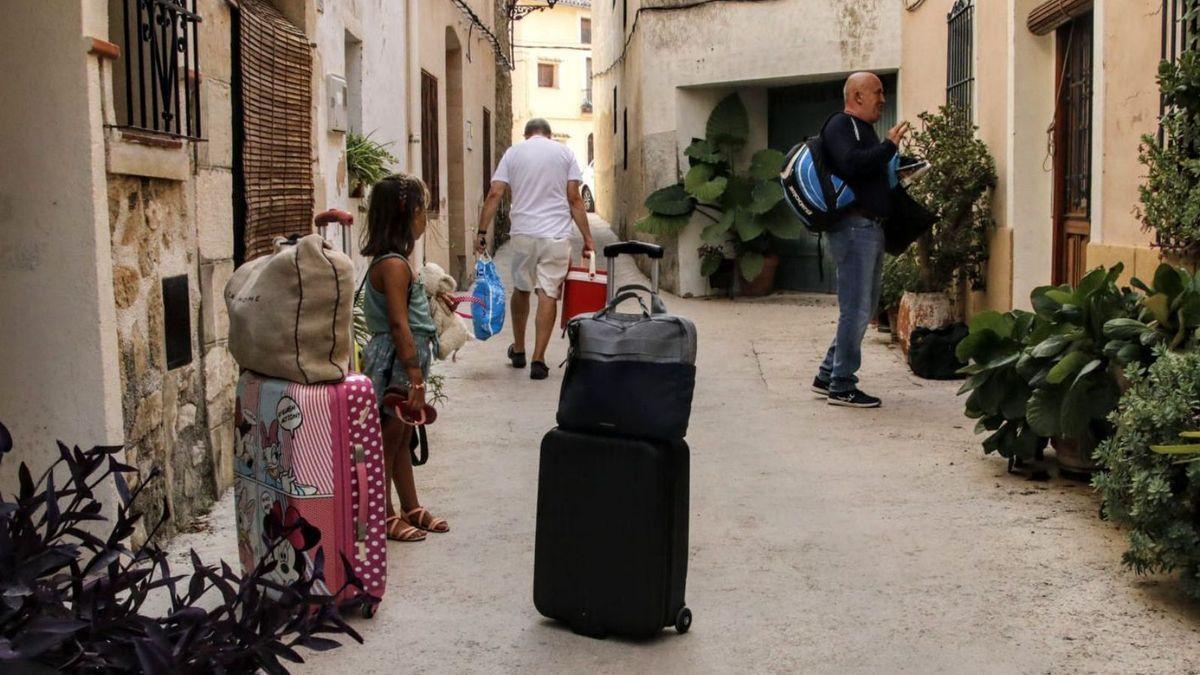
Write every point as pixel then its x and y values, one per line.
pixel 928 310
pixel 764 283
pixel 357 191
pixel 1074 460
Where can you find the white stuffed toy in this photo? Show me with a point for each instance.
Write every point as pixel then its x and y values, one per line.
pixel 452 331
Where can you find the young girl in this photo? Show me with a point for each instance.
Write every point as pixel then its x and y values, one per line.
pixel 403 336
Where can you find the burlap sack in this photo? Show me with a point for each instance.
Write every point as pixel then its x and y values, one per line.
pixel 290 312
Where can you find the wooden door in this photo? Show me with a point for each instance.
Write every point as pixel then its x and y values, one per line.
pixel 1073 151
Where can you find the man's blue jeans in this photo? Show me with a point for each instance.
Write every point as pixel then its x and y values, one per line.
pixel 857 247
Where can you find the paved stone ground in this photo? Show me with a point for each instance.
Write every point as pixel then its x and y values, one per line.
pixel 823 539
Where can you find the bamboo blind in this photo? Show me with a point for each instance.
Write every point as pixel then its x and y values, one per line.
pixel 276 69
pixel 1053 13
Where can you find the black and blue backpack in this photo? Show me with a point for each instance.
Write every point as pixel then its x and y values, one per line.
pixel 814 193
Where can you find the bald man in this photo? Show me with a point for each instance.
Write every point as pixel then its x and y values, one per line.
pixel 857 156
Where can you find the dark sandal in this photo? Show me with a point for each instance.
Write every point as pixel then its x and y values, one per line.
pixel 539 371
pixel 426 521
pixel 405 533
pixel 518 360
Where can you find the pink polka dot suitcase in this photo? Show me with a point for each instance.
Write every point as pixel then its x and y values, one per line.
pixel 309 482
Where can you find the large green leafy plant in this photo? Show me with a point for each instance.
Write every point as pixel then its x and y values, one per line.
pixel 1168 316
pixel 958 187
pixel 744 203
pixel 1156 496
pixel 1170 196
pixel 1074 387
pixel 998 394
pixel 1041 375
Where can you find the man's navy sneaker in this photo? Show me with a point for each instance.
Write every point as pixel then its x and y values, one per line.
pixel 820 387
pixel 853 399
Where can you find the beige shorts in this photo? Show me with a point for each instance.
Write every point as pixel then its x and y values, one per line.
pixel 540 264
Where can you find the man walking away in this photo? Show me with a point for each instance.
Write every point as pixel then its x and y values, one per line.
pixel 544 179
pixel 856 155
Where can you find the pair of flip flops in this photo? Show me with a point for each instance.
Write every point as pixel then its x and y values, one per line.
pixel 397 399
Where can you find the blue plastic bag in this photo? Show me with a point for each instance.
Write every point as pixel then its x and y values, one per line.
pixel 488 312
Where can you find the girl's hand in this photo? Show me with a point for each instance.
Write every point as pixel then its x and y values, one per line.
pixel 416 400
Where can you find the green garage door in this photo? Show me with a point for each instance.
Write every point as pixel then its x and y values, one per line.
pixel 794 114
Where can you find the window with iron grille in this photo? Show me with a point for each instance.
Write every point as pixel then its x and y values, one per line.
pixel 157 87
pixel 430 161
pixel 1180 34
pixel 585 31
pixel 960 71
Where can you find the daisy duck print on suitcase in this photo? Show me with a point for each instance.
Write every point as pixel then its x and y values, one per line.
pixel 309 478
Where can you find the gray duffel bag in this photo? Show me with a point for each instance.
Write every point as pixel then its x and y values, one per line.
pixel 630 374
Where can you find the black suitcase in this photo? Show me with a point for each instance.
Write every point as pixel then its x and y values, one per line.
pixel 612 530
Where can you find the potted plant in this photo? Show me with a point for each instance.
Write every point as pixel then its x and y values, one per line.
pixel 998 394
pixel 744 204
pixel 367 162
pixel 1075 385
pixel 1047 373
pixel 958 188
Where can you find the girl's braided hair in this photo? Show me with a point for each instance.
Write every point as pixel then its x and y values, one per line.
pixel 394 203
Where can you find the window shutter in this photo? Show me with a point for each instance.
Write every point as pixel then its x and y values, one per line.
pixel 276 70
pixel 1049 15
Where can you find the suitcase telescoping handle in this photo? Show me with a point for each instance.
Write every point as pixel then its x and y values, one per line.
pixel 652 251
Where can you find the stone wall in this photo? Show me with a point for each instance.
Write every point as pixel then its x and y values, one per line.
pixel 165 415
pixel 178 422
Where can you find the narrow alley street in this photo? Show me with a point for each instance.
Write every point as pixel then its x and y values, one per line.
pixel 822 539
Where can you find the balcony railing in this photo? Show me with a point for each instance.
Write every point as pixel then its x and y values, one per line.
pixel 586 105
pixel 161 39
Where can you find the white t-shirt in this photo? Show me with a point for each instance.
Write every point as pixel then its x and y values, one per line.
pixel 537 171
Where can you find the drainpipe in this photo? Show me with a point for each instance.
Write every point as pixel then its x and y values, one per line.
pixel 414 88
pixel 413 60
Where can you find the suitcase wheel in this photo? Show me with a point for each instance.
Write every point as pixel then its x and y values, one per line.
pixel 683 620
pixel 368 610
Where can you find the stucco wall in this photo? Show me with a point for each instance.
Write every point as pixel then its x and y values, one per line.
pixel 1014 106
pixel 923 89
pixel 1129 92
pixel 720 45
pixel 379 28
pixel 58 339
pixel 478 91
pixel 553 36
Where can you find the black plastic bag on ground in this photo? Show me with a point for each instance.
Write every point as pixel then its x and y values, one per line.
pixel 931 352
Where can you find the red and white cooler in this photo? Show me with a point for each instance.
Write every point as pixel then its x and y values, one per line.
pixel 584 291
